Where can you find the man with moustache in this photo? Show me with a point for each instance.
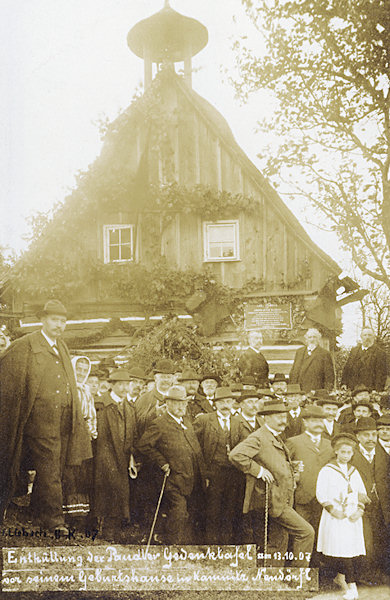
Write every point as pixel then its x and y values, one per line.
pixel 331 406
pixel 41 418
pixel 265 459
pixel 313 366
pixel 190 380
pixel 366 364
pixel 136 384
pixel 151 404
pixel 170 443
pixel 364 461
pixel 252 361
pixel 314 452
pixel 218 433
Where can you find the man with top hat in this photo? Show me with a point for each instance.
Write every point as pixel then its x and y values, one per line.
pixel 41 416
pixel 364 461
pixel 171 444
pixel 313 366
pixel 313 452
pixel 190 380
pixel 117 431
pixel 252 361
pixel 366 364
pixel 265 460
pixel 218 432
pixel 151 404
pixel 331 406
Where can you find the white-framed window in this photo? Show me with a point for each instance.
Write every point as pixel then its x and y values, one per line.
pixel 118 243
pixel 221 241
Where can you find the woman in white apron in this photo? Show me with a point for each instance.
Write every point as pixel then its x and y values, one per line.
pixel 341 492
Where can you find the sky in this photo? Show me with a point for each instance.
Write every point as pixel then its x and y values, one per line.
pixel 66 65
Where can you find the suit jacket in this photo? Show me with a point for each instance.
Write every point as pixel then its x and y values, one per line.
pixel 294 426
pixel 313 372
pixel 253 363
pixel 336 429
pixel 245 428
pixel 22 368
pixel 368 367
pixel 165 441
pixel 302 448
pixel 209 431
pixel 262 448
pixel 382 479
pixel 367 473
pixel 199 405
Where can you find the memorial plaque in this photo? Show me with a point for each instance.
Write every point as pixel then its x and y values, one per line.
pixel 131 568
pixel 268 316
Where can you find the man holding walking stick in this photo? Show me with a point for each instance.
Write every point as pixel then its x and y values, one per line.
pixel 170 442
pixel 264 458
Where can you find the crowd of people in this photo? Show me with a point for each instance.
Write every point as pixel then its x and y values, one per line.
pixel 287 463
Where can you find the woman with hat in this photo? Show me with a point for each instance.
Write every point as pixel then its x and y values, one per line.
pixel 342 494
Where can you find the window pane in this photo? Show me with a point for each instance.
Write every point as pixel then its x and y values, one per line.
pixel 114 253
pixel 221 233
pixel 125 235
pixel 215 250
pixel 114 236
pixel 125 252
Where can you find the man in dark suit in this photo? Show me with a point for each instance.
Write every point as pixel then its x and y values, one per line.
pixel 41 416
pixel 366 364
pixel 136 384
pixel 247 413
pixel 294 398
pixel 252 361
pixel 171 444
pixel 313 366
pixel 364 461
pixel 330 405
pixel 114 445
pixel 265 460
pixel 218 433
pixel 314 452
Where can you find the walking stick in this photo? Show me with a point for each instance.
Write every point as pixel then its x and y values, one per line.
pixel 156 513
pixel 266 521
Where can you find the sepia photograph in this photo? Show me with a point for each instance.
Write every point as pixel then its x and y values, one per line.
pixel 195 299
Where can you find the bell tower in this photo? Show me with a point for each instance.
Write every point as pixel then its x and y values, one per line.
pixel 167 37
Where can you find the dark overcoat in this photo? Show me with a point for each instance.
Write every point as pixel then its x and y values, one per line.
pixel 22 367
pixel 199 405
pixel 114 445
pixel 382 479
pixel 314 372
pixel 367 367
pixel 253 363
pixel 166 442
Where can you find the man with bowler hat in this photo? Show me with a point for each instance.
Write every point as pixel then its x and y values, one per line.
pixel 170 443
pixel 331 406
pixel 41 416
pixel 151 404
pixel 265 460
pixel 190 380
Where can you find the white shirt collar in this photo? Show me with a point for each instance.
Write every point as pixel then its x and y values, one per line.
pixel 368 455
pixel 295 412
pixel 329 425
pixel 251 420
pixel 275 433
pixel 179 421
pixel 252 348
pixel 115 397
pixel 385 445
pixel 222 419
pixel 314 438
pixel 49 340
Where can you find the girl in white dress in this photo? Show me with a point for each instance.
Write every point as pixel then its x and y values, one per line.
pixel 341 492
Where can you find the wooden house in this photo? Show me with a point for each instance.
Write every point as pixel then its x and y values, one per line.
pixel 173 218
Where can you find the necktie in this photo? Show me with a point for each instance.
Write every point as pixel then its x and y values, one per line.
pixel 225 425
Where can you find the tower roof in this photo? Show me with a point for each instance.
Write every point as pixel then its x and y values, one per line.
pixel 167 35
